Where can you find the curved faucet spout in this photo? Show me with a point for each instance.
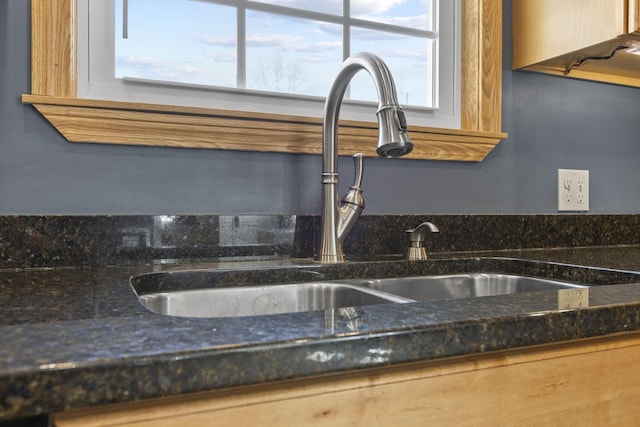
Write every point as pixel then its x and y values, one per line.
pixel 393 141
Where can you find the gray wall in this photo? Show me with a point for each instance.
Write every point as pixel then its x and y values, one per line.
pixel 552 123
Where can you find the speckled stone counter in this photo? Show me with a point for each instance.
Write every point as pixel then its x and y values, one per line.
pixel 77 336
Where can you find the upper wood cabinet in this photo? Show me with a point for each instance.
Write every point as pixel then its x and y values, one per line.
pixel 558 37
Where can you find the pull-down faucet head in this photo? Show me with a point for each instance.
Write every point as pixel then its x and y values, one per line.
pixel 393 141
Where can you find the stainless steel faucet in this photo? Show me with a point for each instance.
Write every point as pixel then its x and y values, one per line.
pixel 393 141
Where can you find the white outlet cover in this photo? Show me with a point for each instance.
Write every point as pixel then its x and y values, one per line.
pixel 573 190
pixel 569 299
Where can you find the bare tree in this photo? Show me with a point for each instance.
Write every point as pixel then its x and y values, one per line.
pixel 274 73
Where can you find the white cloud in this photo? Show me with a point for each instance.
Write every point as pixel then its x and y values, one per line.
pixel 140 61
pixel 256 40
pixel 218 41
pixel 409 54
pixel 373 7
pixel 158 68
pixel 226 56
pixel 272 40
pixel 316 47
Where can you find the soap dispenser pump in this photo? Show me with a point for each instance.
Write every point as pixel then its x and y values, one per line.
pixel 416 250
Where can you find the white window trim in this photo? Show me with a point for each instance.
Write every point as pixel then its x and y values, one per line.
pixel 96 81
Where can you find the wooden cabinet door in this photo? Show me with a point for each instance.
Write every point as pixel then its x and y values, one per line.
pixel 545 29
pixel 633 7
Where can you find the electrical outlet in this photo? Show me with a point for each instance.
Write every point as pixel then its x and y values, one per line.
pixel 573 298
pixel 573 190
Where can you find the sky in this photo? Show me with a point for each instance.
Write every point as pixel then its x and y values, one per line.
pixel 195 41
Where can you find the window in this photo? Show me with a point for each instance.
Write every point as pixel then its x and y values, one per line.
pixel 254 55
pixel 284 46
pixel 55 93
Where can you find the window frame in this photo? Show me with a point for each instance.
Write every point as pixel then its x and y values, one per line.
pixel 54 95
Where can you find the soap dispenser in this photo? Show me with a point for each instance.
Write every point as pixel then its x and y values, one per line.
pixel 416 250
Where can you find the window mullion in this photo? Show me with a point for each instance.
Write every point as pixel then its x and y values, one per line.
pixel 125 19
pixel 241 48
pixel 346 29
pixel 435 65
pixel 346 37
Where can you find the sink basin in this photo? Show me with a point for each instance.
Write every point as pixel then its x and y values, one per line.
pixel 260 300
pixel 173 294
pixel 460 285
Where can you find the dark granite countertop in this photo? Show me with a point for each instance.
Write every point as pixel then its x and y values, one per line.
pixel 76 337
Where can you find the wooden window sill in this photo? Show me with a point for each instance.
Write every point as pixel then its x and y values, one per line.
pixel 83 120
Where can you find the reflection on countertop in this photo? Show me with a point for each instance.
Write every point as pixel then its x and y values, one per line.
pixel 104 240
pixel 622 257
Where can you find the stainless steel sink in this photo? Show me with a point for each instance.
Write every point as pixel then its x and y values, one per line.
pixel 460 285
pixel 321 295
pixel 267 299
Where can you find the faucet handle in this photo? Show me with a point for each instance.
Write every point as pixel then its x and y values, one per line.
pixel 358 162
pixel 417 236
pixel 354 195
